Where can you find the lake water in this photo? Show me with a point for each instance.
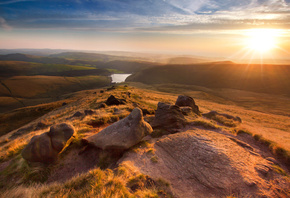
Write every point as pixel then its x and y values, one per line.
pixel 118 78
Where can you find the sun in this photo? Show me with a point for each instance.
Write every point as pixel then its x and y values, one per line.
pixel 261 40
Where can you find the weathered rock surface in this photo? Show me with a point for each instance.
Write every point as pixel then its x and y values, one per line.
pixel 168 117
pixel 44 148
pixel 200 163
pixel 112 100
pixel 122 134
pixel 183 101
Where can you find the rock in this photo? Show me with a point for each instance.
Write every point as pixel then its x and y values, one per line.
pixel 44 148
pixel 41 125
pixel 89 112
pixel 168 117
pixel 112 100
pixel 102 105
pixel 60 134
pixel 78 114
pixel 148 111
pixel 212 114
pixel 111 88
pixel 122 134
pixel 186 110
pixel 183 101
pixel 40 149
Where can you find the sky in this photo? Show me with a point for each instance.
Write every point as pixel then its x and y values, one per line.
pixel 216 28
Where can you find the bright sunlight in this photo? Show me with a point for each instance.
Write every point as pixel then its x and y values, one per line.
pixel 261 40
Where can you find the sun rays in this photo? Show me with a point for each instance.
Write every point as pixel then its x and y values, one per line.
pixel 259 46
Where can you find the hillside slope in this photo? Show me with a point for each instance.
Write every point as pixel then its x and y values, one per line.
pixel 204 157
pixel 273 79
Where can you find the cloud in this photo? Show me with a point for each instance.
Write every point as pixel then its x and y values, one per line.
pixel 147 15
pixel 12 1
pixel 4 25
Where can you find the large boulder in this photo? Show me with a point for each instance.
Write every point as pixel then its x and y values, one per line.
pixel 183 101
pixel 60 134
pixel 168 117
pixel 45 148
pixel 122 134
pixel 40 149
pixel 112 100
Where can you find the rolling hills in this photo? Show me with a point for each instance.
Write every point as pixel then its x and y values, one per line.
pixel 272 79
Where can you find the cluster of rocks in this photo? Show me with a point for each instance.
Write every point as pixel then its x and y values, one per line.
pixel 120 136
pixel 129 131
pixel 84 113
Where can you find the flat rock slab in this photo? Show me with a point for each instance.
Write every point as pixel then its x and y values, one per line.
pixel 200 163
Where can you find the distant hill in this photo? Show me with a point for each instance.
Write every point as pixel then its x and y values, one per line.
pixel 88 56
pixel 21 68
pixel 272 79
pixel 74 59
pixel 32 58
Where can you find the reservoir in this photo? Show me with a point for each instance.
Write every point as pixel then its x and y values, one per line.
pixel 118 78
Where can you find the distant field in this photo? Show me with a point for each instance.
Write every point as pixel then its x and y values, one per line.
pixel 16 68
pixel 49 86
pixel 36 87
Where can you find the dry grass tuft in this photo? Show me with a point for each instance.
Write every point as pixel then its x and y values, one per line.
pixel 205 124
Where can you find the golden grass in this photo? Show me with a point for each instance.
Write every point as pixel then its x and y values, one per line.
pixel 12 148
pixel 19 117
pixel 274 147
pixel 124 182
